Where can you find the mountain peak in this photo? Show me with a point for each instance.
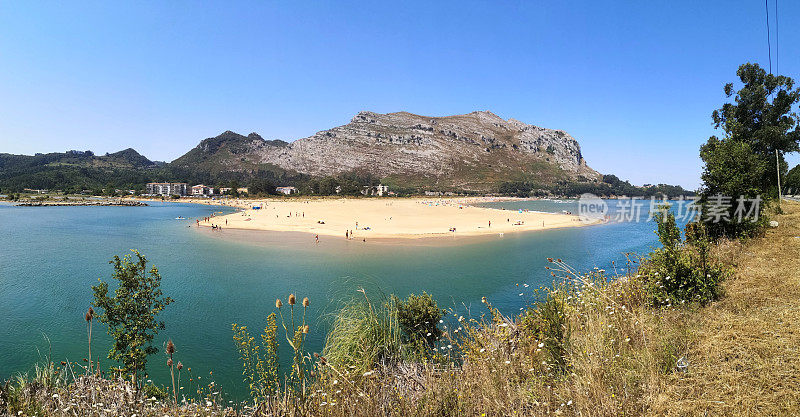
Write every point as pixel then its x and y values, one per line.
pixel 131 156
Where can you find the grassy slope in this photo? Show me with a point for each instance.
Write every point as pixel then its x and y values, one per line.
pixel 746 360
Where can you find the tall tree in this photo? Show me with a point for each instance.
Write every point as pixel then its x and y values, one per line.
pixel 759 121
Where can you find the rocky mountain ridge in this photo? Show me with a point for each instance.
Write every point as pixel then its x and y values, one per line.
pixel 471 151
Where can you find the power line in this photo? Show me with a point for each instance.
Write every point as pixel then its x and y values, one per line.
pixel 776 39
pixel 769 47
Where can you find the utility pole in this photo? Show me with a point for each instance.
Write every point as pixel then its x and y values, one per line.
pixel 778 171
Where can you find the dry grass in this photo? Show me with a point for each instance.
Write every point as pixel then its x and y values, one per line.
pixel 747 357
pixel 92 395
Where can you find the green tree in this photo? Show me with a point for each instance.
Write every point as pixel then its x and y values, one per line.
pixel 792 181
pixel 261 186
pixel 131 313
pixel 327 186
pixel 759 122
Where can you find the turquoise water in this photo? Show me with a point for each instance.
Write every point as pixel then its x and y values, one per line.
pixel 50 256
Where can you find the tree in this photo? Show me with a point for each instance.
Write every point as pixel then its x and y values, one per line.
pixel 792 181
pixel 328 185
pixel 131 312
pixel 757 124
pixel 732 168
pixel 260 186
pixel 765 125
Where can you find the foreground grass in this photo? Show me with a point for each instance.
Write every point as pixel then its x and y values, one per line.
pixel 746 359
pixel 595 347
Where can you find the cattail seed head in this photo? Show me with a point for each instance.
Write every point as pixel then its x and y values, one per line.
pixel 180 365
pixel 278 303
pixel 89 314
pixel 169 362
pixel 292 299
pixel 170 347
pixel 305 302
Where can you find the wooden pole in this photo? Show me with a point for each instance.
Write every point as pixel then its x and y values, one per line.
pixel 778 171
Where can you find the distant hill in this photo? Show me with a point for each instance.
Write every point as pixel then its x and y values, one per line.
pixel 230 156
pixel 74 170
pixel 475 151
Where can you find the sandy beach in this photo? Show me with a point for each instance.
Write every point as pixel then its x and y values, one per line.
pixel 382 218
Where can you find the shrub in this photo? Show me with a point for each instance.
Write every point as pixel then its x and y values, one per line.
pixel 418 316
pixel 682 271
pixel 260 361
pixel 151 390
pixel 547 322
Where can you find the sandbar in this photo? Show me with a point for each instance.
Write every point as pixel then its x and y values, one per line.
pixel 384 218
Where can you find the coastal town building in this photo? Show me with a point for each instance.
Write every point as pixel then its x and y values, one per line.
pixel 202 190
pixel 375 190
pixel 166 188
pixel 242 190
pixel 286 190
pixel 439 193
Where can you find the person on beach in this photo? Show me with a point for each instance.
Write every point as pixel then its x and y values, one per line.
pixel 316 238
pixel 347 234
pixel 490 223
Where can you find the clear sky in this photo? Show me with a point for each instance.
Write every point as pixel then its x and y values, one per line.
pixel 634 81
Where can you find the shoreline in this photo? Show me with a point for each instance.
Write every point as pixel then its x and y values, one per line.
pixel 82 203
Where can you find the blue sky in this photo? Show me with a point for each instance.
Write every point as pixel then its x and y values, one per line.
pixel 634 82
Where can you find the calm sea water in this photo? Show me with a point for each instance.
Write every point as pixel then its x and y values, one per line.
pixel 50 256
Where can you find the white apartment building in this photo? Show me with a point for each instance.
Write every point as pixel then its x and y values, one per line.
pixel 167 188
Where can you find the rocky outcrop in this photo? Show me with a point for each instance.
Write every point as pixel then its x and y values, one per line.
pixel 475 148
